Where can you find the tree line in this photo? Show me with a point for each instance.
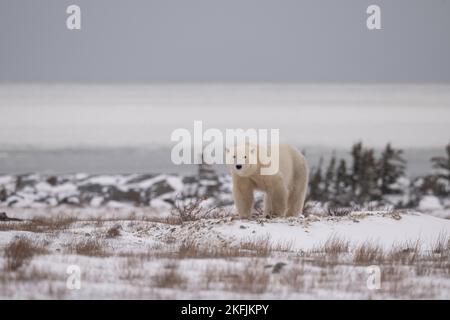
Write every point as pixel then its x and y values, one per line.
pixel 381 178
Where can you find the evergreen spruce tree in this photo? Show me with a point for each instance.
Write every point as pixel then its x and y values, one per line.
pixel 368 177
pixel 329 191
pixel 342 183
pixel 356 167
pixel 364 174
pixel 391 167
pixel 442 176
pixel 315 184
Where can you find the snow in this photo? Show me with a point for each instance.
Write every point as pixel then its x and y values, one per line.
pixel 4 180
pixel 147 183
pixel 430 203
pixel 385 231
pixel 160 204
pixel 175 183
pixel 142 252
pixel 60 191
pixel 117 204
pixel 96 202
pixel 106 180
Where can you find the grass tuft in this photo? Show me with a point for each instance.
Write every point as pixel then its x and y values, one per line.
pixel 20 251
pixel 169 277
pixel 114 231
pixel 90 248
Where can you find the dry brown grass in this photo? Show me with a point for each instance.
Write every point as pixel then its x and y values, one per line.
pixel 91 248
pixel 339 211
pixel 406 253
pixel 172 220
pixel 188 210
pixel 282 246
pixel 392 273
pixel 113 232
pixel 64 222
pixel 31 274
pixel 209 276
pixel 192 209
pixel 250 247
pixel 40 224
pixel 169 277
pixel 189 249
pixel 249 278
pixel 132 218
pixel 368 253
pixel 333 246
pixel 294 278
pixel 261 246
pixel 442 244
pixel 132 268
pixel 20 251
pixel 252 279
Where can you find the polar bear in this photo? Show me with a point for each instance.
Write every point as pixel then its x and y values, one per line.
pixel 285 189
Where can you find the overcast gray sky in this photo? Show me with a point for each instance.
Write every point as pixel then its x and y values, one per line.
pixel 225 40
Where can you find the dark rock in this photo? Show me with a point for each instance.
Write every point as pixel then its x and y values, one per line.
pixel 278 266
pixel 23 181
pixel 190 180
pixel 160 188
pixel 52 180
pixel 169 201
pixel 4 217
pixel 12 202
pixel 3 195
pixel 94 189
pixel 141 178
pixel 133 196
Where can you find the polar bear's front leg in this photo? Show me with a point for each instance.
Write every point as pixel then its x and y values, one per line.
pixel 278 196
pixel 243 197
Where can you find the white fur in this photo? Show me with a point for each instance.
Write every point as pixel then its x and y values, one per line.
pixel 285 190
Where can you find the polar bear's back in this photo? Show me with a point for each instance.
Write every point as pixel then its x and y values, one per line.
pixel 292 163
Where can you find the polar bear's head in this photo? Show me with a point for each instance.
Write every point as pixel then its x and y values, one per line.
pixel 243 160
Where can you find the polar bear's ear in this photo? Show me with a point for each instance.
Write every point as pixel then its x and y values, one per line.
pixel 253 150
pixel 227 150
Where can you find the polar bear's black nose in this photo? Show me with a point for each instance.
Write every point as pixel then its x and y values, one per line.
pixel 238 166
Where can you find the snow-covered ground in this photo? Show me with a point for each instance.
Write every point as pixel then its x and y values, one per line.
pixel 109 190
pixel 131 236
pixel 102 193
pixel 140 253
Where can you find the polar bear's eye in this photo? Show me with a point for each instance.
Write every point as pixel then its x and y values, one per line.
pixel 245 157
pixel 234 157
